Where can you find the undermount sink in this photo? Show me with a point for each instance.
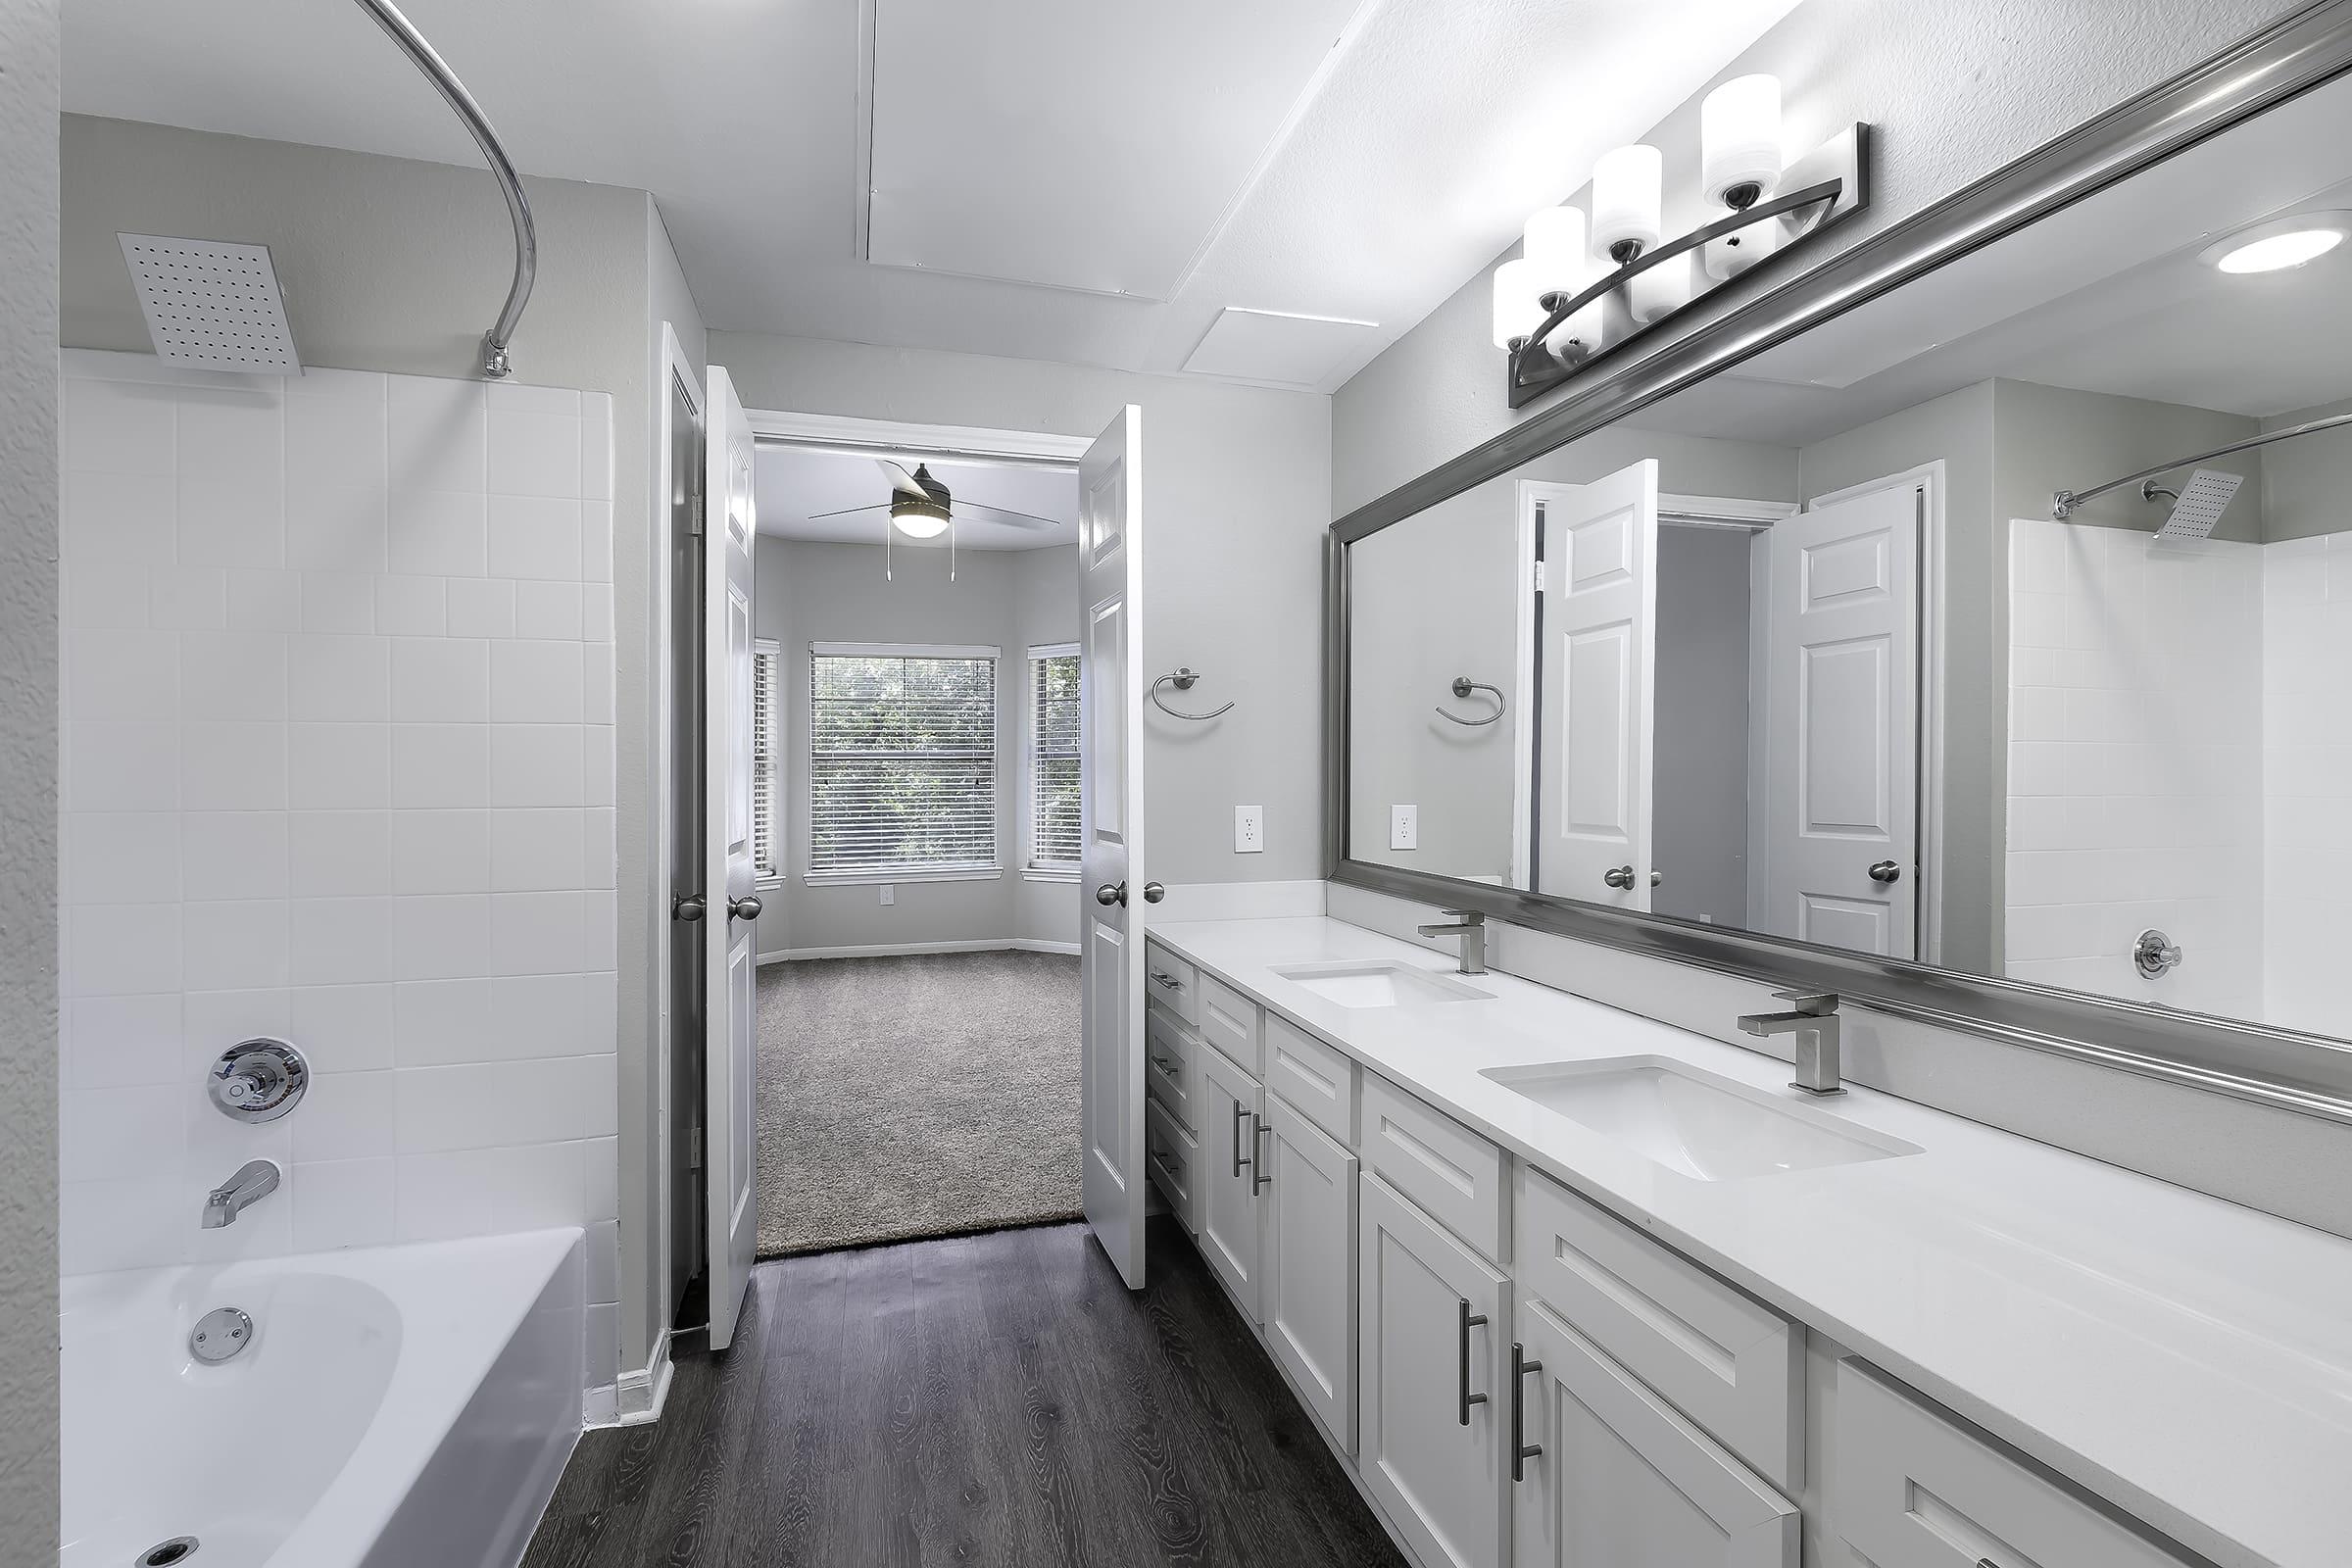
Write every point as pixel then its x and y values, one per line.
pixel 1375 984
pixel 1694 1122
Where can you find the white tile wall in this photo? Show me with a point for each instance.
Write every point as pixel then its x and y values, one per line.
pixel 2135 674
pixel 338 766
pixel 2307 782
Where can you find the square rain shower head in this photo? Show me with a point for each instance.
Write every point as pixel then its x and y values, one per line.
pixel 2201 505
pixel 212 305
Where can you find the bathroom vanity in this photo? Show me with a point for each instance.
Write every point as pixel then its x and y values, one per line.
pixel 1562 1284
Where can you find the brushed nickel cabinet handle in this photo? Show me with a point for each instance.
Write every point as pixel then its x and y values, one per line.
pixel 1239 1111
pixel 1522 1451
pixel 1258 1179
pixel 1463 1324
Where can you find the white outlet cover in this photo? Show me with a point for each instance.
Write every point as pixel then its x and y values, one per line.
pixel 890 893
pixel 1249 830
pixel 1405 827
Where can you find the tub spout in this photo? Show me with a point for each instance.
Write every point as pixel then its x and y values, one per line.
pixel 225 1203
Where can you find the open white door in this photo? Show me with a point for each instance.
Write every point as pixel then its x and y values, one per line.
pixel 1110 734
pixel 1841 746
pixel 730 1166
pixel 1600 595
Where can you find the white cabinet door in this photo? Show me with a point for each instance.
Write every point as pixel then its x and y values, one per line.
pixel 1225 1189
pixel 1432 1356
pixel 1308 1290
pixel 1618 1478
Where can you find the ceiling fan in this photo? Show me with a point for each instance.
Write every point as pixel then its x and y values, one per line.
pixel 920 507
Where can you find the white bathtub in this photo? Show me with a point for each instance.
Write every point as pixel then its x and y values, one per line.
pixel 397 1406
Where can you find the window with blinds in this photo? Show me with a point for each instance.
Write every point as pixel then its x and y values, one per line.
pixel 902 761
pixel 1053 760
pixel 767 760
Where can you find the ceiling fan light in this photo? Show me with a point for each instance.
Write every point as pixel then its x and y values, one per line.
pixel 918 520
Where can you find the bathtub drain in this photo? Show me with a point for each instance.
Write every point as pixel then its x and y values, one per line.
pixel 180 1549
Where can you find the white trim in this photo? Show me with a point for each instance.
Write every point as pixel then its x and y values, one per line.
pixel 1931 481
pixel 1530 493
pixel 1068 949
pixel 1732 511
pixel 1026 803
pixel 903 651
pixel 599 1406
pixel 908 950
pixel 909 442
pixel 859 879
pixel 1031 873
pixel 643 1393
pixel 1052 651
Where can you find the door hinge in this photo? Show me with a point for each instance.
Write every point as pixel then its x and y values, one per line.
pixel 694 1148
pixel 1538 576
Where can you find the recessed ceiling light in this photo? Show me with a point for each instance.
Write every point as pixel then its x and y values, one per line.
pixel 2278 244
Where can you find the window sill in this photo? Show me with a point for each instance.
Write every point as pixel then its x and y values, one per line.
pixel 1033 873
pixel 866 879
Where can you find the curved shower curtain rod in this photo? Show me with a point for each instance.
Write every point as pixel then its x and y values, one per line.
pixel 403 33
pixel 2063 504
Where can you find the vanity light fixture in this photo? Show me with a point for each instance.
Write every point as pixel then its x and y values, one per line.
pixel 1566 300
pixel 2279 244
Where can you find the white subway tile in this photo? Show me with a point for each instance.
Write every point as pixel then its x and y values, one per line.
pixel 234 854
pixel 119 767
pixel 600 1163
pixel 338 766
pixel 441 680
pixel 121 675
pixel 335 526
pixel 536 933
pixel 231 523
pixel 481 607
pixel 598 853
pixel 337 427
pixel 536 764
pixel 547 609
pixel 117 426
pixel 600 782
pixel 603 1360
pixel 107 1134
pixel 440 1022
pixel 596 611
pixel 232 435
pixel 539 1185
pixel 345 1115
pixel 541 1015
pixel 233 767
pixel 441 937
pixel 113 520
pixel 342 1203
pixel 437 533
pixel 339 853
pixel 234 944
pixel 116 1042
pixel 94 596
pixel 535 682
pixel 441 852
pixel 410 606
pixel 595 541
pixel 538 850
pixel 440 766
pixel 600 930
pixel 127 1223
pixel 534 537
pixel 113 857
pixel 603 1261
pixel 212 1021
pixel 595 684
pixel 534 453
pixel 338 679
pixel 232 675
pixel 436 434
pixel 337 603
pixel 439 1197
pixel 342 942
pixel 596 446
pixel 343 1028
pixel 121 950
pixel 265 601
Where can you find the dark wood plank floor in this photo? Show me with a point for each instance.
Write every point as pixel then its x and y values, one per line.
pixel 991 1399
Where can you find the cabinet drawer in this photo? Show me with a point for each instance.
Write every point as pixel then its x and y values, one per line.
pixel 1735 1367
pixel 1171 1068
pixel 1172 982
pixel 1318 1081
pixel 1436 1162
pixel 1229 1021
pixel 1910 1488
pixel 1172 1156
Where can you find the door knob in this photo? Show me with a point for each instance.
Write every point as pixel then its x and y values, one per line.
pixel 1111 893
pixel 746 907
pixel 1153 892
pixel 687 907
pixel 1886 871
pixel 1618 876
pixel 1656 878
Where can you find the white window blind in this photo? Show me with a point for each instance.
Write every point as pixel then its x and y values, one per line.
pixel 1053 759
pixel 902 760
pixel 767 760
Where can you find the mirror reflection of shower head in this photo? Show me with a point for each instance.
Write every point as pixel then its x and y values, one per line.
pixel 2196 506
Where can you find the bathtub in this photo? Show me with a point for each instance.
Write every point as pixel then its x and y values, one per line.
pixel 394 1407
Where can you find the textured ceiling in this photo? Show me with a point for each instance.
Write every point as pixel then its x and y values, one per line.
pixel 1405 162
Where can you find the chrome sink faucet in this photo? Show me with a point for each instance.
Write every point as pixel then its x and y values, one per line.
pixel 1813 1018
pixel 253 1181
pixel 1471 926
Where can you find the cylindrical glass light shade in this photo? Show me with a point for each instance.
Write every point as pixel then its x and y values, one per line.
pixel 1662 290
pixel 1582 333
pixel 1740 140
pixel 1628 197
pixel 1516 313
pixel 1553 244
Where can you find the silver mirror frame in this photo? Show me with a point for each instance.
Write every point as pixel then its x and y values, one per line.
pixel 2309 1074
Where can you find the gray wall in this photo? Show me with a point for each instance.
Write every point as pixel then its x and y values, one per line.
pixel 1236 493
pixel 1698 806
pixel 2306 482
pixel 810 592
pixel 28 274
pixel 2048 438
pixel 1955 91
pixel 393 264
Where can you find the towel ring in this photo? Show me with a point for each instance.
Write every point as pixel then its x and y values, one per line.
pixel 1182 680
pixel 1463 686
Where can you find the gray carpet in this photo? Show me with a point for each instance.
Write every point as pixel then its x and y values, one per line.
pixel 920 1096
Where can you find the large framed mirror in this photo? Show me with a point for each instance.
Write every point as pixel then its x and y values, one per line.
pixel 1964 625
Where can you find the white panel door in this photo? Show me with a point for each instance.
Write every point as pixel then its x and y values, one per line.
pixel 1841 737
pixel 1110 734
pixel 1599 617
pixel 731 964
pixel 1308 1295
pixel 1619 1479
pixel 1429 1432
pixel 1232 1219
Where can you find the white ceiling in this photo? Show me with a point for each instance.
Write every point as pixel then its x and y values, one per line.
pixel 1348 159
pixel 792 485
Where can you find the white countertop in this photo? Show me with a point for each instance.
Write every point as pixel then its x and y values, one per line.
pixel 2187 1358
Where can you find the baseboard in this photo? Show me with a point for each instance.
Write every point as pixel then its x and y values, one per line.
pixel 643 1393
pixel 903 950
pixel 1238 901
pixel 601 1406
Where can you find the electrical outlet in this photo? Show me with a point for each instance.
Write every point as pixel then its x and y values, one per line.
pixel 1405 827
pixel 1249 830
pixel 890 893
